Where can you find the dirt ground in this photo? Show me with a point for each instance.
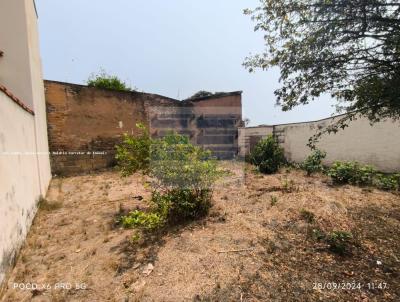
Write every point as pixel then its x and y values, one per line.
pixel 257 244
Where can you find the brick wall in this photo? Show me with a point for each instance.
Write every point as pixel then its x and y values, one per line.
pixel 85 124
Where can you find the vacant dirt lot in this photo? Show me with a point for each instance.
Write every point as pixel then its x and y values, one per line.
pixel 259 243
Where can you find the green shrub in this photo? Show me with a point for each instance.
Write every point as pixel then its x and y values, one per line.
pixel 181 205
pixel 177 164
pixel 186 174
pixel 352 173
pixel 268 156
pixel 183 178
pixel 388 182
pixel 133 154
pixel 339 242
pixel 106 81
pixel 313 163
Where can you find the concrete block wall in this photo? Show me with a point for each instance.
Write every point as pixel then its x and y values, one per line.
pixel 210 122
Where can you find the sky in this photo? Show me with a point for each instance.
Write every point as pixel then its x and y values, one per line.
pixel 173 48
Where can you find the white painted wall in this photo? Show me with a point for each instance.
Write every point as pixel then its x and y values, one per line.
pixel 19 179
pixel 378 145
pixel 24 159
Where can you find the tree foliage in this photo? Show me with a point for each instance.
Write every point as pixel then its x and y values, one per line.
pixel 105 81
pixel 349 49
pixel 201 94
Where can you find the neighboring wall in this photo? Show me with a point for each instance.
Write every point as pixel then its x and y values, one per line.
pixel 378 145
pixel 211 122
pixel 249 137
pixel 24 159
pixel 86 123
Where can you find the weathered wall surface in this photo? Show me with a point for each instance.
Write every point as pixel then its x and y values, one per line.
pixel 378 145
pixel 210 122
pixel 19 179
pixel 24 159
pixel 85 123
pixel 250 136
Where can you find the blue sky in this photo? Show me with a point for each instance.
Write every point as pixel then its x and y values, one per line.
pixel 173 48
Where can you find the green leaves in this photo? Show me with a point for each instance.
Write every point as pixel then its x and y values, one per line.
pixel 106 81
pixel 267 155
pixel 349 49
pixel 313 163
pixel 352 173
pixel 133 154
pixel 183 176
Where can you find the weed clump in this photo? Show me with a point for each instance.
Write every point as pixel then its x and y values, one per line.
pixel 307 215
pixel 338 242
pixel 46 205
pixel 274 200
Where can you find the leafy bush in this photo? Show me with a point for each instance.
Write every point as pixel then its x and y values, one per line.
pixel 177 164
pixel 134 152
pixel 183 177
pixel 106 81
pixel 180 205
pixel 388 182
pixel 268 156
pixel 352 173
pixel 313 163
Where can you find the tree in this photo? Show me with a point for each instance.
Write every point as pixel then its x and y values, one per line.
pixel 200 94
pixel 106 81
pixel 349 49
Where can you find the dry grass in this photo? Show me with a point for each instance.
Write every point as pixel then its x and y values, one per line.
pixel 248 249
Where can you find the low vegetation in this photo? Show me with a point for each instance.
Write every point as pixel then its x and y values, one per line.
pixel 183 176
pixel 268 157
pixel 313 163
pixel 362 175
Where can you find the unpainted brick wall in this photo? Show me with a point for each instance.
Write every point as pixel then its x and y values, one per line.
pixel 85 123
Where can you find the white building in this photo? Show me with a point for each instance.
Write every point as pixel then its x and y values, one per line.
pixel 24 160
